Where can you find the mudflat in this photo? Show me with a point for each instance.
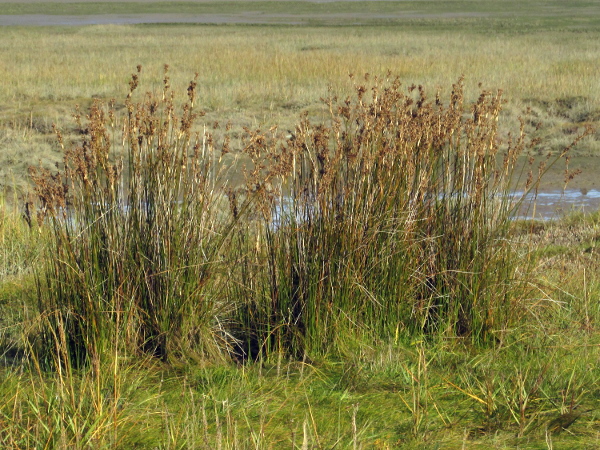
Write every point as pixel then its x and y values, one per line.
pixel 258 18
pixel 195 1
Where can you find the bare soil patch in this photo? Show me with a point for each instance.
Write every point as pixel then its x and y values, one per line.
pixel 258 18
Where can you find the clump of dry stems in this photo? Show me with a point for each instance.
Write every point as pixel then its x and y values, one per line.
pixel 389 218
pixel 138 228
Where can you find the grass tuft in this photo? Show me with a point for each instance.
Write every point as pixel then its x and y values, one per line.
pixel 138 228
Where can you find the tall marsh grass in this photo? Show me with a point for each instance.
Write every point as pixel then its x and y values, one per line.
pixel 390 218
pixel 137 234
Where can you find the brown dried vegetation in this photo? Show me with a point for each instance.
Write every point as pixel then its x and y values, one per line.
pixel 389 218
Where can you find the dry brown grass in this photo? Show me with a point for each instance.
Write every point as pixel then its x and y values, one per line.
pixel 262 75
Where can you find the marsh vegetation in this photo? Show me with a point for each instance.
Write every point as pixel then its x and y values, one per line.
pixel 276 254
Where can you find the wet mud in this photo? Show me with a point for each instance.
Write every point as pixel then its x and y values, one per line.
pixel 255 18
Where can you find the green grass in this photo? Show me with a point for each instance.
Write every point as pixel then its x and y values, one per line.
pixel 469 397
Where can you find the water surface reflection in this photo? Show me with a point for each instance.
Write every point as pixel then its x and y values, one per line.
pixel 552 204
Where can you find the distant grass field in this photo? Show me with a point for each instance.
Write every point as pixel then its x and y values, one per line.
pixel 516 14
pixel 255 75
